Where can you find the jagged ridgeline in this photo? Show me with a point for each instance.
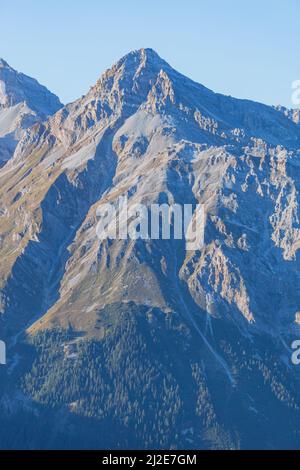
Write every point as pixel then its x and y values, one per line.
pixel 140 343
pixel 23 102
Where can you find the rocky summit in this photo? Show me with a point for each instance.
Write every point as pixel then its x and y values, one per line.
pixel 140 343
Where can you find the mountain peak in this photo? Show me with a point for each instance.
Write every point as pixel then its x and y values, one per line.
pixel 23 102
pixel 132 75
pixel 150 55
pixel 16 87
pixel 3 63
pixel 182 318
pixel 140 59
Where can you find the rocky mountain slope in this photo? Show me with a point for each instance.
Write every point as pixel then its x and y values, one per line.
pixel 23 102
pixel 293 114
pixel 184 348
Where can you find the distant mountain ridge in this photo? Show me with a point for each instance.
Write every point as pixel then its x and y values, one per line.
pixel 23 102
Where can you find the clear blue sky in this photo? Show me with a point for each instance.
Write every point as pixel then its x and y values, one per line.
pixel 246 48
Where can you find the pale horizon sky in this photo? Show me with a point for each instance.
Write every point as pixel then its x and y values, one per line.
pixel 247 49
